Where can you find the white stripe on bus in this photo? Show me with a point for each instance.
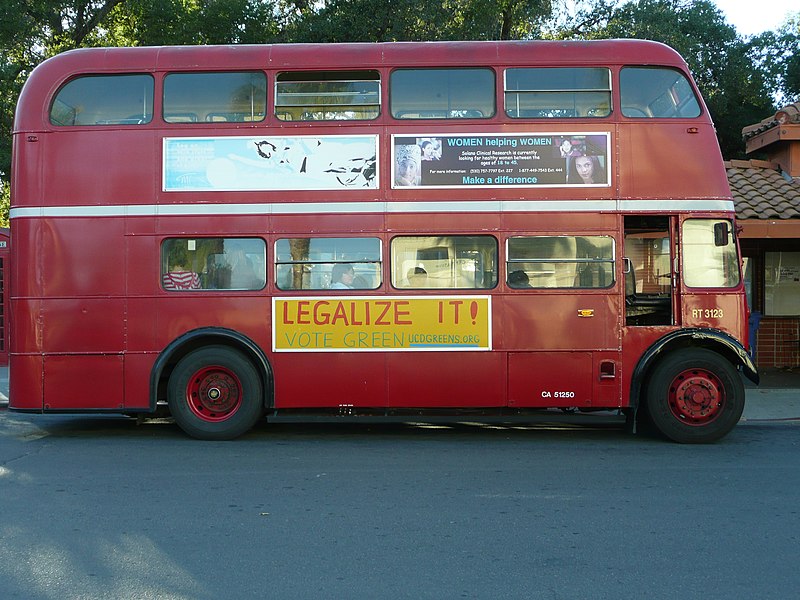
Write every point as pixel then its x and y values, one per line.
pixel 307 208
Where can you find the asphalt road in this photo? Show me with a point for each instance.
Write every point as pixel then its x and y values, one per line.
pixel 99 507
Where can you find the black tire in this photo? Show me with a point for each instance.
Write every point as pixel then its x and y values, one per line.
pixel 215 393
pixel 694 396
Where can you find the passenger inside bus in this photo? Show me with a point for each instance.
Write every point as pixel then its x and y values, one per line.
pixel 342 276
pixel 416 277
pixel 518 279
pixel 179 277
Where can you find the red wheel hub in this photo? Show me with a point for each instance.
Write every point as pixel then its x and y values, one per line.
pixel 696 397
pixel 214 393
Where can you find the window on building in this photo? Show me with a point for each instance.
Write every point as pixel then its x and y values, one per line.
pixel 782 283
pixel 215 97
pixel 193 264
pixel 104 100
pixel 442 93
pixel 560 262
pixel 442 262
pixel 557 93
pixel 328 263
pixel 327 95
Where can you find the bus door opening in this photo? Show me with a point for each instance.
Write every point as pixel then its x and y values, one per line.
pixel 649 278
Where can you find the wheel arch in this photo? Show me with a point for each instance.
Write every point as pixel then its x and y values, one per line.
pixel 711 339
pixel 206 336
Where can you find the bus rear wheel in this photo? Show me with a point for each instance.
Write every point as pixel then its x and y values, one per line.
pixel 695 396
pixel 215 393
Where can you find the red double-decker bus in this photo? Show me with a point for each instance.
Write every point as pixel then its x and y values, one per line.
pixel 403 230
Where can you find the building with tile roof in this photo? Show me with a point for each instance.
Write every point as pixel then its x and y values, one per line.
pixel 767 198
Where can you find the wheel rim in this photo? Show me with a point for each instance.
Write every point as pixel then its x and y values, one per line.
pixel 214 393
pixel 696 397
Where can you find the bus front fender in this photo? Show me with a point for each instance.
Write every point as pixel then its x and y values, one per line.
pixel 712 339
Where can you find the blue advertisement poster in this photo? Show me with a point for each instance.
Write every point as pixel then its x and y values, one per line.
pixel 263 163
pixel 501 160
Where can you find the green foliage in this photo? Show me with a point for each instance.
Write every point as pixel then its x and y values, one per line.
pixel 189 22
pixel 5 202
pixel 735 90
pixel 777 54
pixel 409 20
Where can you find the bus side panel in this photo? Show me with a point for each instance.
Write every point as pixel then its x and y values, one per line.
pixel 26 277
pixel 26 336
pixel 446 379
pixel 141 330
pixel 79 325
pixel 718 310
pixel 184 311
pixel 83 382
pixel 554 321
pixel 547 379
pixel 74 266
pixel 137 384
pixel 441 222
pixel 665 160
pixel 78 163
pixel 329 380
pixel 25 387
pixel 636 340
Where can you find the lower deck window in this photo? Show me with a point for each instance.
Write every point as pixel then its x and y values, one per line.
pixel 328 263
pixel 560 262
pixel 192 264
pixel 444 262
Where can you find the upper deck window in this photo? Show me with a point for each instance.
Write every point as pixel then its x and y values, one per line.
pixel 215 97
pixel 558 93
pixel 328 95
pixel 104 100
pixel 657 93
pixel 442 93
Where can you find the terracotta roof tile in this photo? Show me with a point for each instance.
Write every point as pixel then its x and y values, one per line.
pixel 788 114
pixel 760 191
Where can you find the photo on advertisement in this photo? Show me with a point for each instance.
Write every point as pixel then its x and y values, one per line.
pixel 501 160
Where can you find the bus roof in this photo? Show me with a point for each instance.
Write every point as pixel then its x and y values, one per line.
pixel 276 56
pixel 53 72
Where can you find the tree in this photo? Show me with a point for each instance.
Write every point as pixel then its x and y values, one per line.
pixel 404 20
pixel 33 30
pixel 732 85
pixel 30 31
pixel 189 22
pixel 777 53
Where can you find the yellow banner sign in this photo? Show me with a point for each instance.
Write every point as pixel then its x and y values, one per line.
pixel 380 323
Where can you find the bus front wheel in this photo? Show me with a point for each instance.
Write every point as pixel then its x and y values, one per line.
pixel 215 393
pixel 695 396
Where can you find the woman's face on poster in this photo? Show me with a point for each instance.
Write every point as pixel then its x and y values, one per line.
pixel 585 167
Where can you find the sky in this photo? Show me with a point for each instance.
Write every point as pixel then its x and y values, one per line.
pixel 756 16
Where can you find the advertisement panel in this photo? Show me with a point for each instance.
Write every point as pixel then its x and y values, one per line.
pixel 263 163
pixel 381 323
pixel 500 160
